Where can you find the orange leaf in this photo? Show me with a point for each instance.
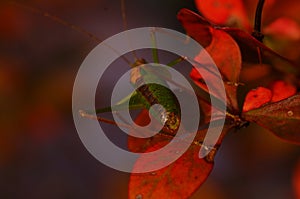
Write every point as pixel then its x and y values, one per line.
pixel 282 90
pixel 256 98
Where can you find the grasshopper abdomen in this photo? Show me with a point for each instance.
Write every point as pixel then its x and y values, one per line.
pixel 157 93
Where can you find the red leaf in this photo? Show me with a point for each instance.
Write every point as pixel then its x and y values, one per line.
pixel 195 75
pixel 282 90
pixel 179 179
pixel 283 28
pixel 224 12
pixel 254 52
pixel 249 72
pixel 196 26
pixel 282 118
pixel 140 145
pixel 256 98
pixel 279 90
pixel 227 61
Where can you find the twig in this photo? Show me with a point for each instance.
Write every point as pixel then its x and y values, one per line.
pixel 257 24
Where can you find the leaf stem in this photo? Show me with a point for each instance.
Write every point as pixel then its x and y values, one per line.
pixel 257 24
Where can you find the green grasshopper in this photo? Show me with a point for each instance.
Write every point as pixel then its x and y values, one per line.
pixel 146 95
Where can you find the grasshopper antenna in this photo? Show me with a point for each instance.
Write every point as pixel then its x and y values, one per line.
pixel 68 24
pixel 125 24
pixel 84 114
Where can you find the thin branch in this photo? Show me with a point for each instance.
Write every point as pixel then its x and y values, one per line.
pixel 257 24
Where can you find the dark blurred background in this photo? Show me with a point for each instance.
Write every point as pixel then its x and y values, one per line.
pixel 41 155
